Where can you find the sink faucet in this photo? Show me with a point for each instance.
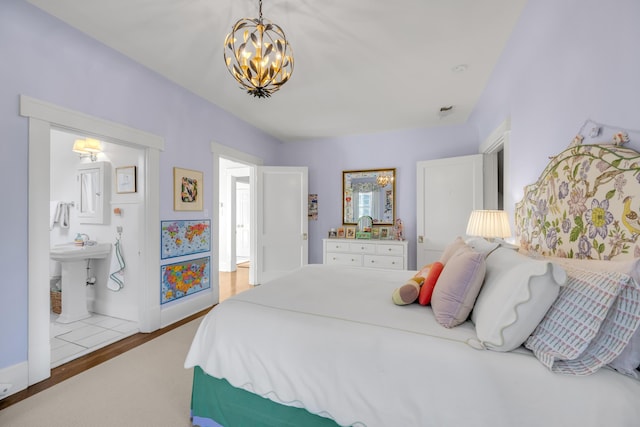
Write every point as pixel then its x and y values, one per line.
pixel 81 238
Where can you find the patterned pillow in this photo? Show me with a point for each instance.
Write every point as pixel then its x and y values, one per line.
pixel 590 323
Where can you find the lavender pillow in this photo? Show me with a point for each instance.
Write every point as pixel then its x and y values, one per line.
pixel 458 287
pixel 451 249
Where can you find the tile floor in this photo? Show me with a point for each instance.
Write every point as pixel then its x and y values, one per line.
pixel 72 340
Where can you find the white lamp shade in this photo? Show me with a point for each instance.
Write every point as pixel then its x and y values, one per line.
pixel 92 145
pixel 78 146
pixel 489 224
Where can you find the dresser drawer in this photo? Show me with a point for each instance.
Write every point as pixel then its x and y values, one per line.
pixel 380 261
pixel 336 258
pixel 368 253
pixel 363 248
pixel 337 247
pixel 386 249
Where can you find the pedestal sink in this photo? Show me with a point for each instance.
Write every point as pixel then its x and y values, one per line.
pixel 74 277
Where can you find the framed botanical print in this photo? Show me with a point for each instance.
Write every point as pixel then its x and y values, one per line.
pixel 188 190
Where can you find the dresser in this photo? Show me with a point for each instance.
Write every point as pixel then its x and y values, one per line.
pixel 390 254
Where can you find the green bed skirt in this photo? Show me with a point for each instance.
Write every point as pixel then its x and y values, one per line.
pixel 215 402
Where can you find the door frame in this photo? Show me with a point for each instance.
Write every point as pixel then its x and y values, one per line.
pixel 223 151
pixel 42 117
pixel 498 140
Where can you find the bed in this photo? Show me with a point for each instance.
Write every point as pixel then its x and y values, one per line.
pixel 326 345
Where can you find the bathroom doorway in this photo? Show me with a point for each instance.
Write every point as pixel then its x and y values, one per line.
pixel 43 117
pixel 113 310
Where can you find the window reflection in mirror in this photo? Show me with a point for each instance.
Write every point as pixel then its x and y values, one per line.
pixel 369 193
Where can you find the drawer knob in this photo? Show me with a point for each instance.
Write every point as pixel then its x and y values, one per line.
pixel 389 249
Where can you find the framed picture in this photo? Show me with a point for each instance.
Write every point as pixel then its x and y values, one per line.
pixel 375 233
pixel 350 231
pixel 333 234
pixel 184 237
pixel 188 190
pixel 184 278
pixel 384 232
pixel 126 179
pixel 340 232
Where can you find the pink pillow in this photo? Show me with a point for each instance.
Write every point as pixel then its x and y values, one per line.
pixel 458 287
pixel 452 249
pixel 430 283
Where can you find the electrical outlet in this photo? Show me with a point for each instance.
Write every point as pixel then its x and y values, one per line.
pixel 4 388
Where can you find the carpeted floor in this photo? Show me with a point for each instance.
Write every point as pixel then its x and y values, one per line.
pixel 146 386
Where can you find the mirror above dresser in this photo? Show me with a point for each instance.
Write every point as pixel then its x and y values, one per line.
pixel 369 193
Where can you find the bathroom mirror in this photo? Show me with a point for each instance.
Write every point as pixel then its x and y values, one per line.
pixel 369 193
pixel 93 189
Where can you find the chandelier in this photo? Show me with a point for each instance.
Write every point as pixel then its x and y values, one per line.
pixel 258 55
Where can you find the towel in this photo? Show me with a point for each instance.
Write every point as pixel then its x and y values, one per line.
pixel 63 216
pixel 116 269
pixel 53 213
pixel 58 212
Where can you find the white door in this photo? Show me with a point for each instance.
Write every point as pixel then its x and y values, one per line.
pixel 448 190
pixel 282 223
pixel 243 222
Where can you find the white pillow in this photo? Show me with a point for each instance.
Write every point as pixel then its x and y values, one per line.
pixel 516 294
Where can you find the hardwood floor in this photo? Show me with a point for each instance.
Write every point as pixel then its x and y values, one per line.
pixel 230 284
pixel 234 282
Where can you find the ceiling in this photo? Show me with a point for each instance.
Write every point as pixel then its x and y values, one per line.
pixel 361 66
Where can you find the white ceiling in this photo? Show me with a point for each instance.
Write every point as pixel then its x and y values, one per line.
pixel 361 66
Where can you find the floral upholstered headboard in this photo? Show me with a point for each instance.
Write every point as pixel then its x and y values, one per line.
pixel 585 204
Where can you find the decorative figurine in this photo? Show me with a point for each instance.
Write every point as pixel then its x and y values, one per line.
pixel 399 227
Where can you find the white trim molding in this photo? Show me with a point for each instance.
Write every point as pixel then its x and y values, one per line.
pixel 43 117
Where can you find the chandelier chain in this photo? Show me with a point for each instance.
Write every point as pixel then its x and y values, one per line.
pixel 260 10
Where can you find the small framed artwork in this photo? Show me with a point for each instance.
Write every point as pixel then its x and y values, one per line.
pixel 340 232
pixel 375 233
pixel 333 233
pixel 126 179
pixel 350 231
pixel 188 188
pixel 384 232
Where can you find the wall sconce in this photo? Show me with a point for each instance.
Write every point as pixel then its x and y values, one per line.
pixel 88 147
pixel 489 224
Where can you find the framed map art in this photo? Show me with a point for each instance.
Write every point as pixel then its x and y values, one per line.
pixel 184 278
pixel 184 237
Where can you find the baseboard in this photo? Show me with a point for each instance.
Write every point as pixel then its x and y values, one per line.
pixel 17 376
pixel 179 310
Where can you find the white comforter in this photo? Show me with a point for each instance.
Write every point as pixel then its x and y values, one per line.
pixel 329 339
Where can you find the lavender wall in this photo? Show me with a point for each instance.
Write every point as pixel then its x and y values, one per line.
pixel 566 61
pixel 48 60
pixel 327 159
